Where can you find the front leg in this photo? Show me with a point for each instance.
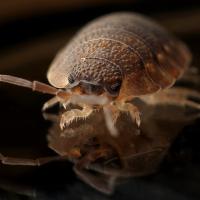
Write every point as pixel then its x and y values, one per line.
pixel 50 103
pixel 69 116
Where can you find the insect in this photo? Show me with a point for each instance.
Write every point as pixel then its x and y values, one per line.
pixel 110 62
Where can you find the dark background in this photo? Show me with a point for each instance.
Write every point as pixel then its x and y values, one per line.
pixel 31 32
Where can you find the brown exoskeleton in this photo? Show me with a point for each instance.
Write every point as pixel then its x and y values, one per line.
pixel 109 63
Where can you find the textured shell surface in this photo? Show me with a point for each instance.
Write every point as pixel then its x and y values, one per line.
pixel 122 46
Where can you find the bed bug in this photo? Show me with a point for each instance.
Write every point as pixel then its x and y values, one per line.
pixel 110 62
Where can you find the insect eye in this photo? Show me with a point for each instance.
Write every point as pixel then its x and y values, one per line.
pixel 71 79
pixel 114 88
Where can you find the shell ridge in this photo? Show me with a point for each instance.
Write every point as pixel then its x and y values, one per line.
pixel 131 48
pixel 104 59
pixel 123 43
pixel 134 50
pixel 146 44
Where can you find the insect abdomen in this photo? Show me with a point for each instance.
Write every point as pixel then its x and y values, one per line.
pixel 135 45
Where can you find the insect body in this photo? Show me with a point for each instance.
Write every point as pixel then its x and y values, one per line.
pixel 111 61
pixel 125 54
pixel 122 56
pixel 116 57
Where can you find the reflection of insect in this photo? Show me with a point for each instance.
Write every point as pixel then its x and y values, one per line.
pixel 101 160
pixel 109 62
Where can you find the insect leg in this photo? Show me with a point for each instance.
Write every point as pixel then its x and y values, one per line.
pixel 68 117
pixel 109 170
pixel 125 173
pixel 104 168
pixel 86 100
pixel 50 103
pixel 130 108
pixel 101 182
pixel 191 76
pixel 50 117
pixel 175 96
pixel 111 114
pixel 183 92
pixel 29 162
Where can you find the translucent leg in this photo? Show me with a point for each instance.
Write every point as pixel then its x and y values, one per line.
pixel 112 112
pixel 68 117
pixel 107 170
pixel 50 103
pixel 111 115
pixel 175 96
pixel 192 75
pixel 132 109
pixel 120 173
pixel 183 92
pixel 50 117
pixel 100 182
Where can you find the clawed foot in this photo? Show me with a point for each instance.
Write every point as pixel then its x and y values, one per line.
pixel 50 103
pixel 132 110
pixel 75 114
pixel 112 112
pixel 127 107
